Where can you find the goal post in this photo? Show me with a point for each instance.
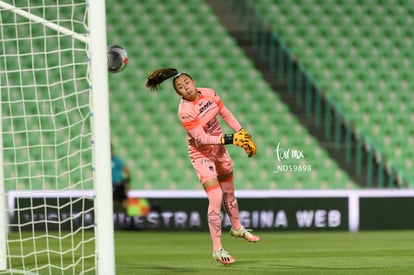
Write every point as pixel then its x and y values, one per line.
pixel 100 98
pixel 3 215
pixel 55 138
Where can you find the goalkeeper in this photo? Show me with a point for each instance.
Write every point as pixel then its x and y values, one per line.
pixel 198 113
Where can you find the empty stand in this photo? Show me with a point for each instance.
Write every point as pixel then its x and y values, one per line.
pixel 360 52
pixel 145 128
pixel 155 144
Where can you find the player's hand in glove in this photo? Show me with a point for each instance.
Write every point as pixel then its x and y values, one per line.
pixel 242 139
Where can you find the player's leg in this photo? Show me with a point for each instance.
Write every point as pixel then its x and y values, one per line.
pixel 224 166
pixel 229 199
pixel 225 178
pixel 214 195
pixel 125 190
pixel 207 174
pixel 118 195
pixel 232 209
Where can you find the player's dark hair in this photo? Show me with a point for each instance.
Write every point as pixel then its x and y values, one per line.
pixel 156 77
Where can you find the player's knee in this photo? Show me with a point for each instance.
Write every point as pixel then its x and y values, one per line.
pixel 215 195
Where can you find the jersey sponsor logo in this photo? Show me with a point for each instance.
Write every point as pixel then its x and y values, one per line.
pixel 205 106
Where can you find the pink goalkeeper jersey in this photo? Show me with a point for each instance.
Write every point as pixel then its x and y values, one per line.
pixel 199 119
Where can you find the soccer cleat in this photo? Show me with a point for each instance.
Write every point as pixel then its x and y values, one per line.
pixel 223 257
pixel 245 234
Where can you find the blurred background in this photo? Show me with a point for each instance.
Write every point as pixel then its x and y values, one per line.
pixel 329 79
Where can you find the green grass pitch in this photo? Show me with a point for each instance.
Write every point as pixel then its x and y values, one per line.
pixel 376 252
pixel 145 252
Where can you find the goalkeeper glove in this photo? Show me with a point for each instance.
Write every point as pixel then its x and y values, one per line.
pixel 242 139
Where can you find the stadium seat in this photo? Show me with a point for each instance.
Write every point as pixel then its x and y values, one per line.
pixel 375 41
pixel 145 127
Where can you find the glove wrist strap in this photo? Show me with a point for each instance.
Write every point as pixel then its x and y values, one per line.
pixel 227 139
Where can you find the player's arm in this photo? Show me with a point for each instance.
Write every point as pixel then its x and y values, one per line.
pixel 225 114
pixel 201 137
pixel 191 123
pixel 241 138
pixel 230 119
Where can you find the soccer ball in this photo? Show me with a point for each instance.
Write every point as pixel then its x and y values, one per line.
pixel 117 58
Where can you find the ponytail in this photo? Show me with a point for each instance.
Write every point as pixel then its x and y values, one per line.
pixel 155 78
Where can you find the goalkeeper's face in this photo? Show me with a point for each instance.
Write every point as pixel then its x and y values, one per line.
pixel 186 87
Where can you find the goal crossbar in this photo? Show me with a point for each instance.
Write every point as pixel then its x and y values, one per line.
pixel 44 22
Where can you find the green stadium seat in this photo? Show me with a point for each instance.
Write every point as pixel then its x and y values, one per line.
pixel 144 126
pixel 376 42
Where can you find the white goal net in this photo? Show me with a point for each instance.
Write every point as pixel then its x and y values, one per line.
pixel 50 116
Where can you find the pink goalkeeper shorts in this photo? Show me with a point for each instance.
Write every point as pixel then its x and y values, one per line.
pixel 209 161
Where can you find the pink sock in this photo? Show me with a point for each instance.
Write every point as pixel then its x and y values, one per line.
pixel 213 215
pixel 230 202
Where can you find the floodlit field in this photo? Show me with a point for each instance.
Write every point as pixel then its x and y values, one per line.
pixel 144 252
pixel 389 252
